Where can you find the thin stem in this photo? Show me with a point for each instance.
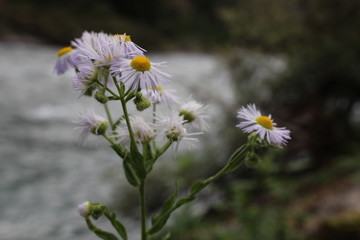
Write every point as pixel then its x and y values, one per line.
pixel 126 114
pixel 154 122
pixel 107 89
pixel 143 210
pixel 107 110
pixel 109 139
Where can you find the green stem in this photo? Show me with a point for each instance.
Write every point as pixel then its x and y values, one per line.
pixel 143 210
pixel 126 115
pixel 107 89
pixel 162 150
pixel 109 139
pixel 107 110
pixel 154 122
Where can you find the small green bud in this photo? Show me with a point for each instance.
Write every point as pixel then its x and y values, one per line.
pixel 100 129
pixel 100 97
pixel 85 209
pixel 188 116
pixel 97 210
pixel 252 160
pixel 174 136
pixel 141 102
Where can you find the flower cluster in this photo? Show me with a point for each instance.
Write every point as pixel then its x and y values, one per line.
pixel 113 68
pixel 96 56
pixel 105 64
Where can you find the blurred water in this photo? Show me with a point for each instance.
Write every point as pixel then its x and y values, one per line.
pixel 44 174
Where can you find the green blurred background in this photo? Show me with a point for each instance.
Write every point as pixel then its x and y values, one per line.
pixel 311 189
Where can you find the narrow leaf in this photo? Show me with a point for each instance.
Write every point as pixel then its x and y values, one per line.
pixel 137 161
pixel 104 235
pixel 197 187
pixel 130 173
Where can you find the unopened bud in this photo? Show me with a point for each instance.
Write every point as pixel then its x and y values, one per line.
pixel 97 210
pixel 85 209
pixel 100 97
pixel 141 102
pixel 99 129
pixel 188 116
pixel 252 160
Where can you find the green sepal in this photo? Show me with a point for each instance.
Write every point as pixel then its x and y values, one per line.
pixel 159 220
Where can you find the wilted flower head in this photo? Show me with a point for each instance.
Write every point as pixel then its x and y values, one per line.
pixel 173 128
pixel 262 125
pixel 89 122
pixel 193 113
pixel 161 96
pixel 65 60
pixel 139 73
pixel 143 132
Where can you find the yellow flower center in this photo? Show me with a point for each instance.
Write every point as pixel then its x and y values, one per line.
pixel 64 51
pixel 160 89
pixel 141 64
pixel 127 37
pixel 265 122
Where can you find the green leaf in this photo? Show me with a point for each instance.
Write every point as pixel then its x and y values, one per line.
pixel 137 161
pixel 119 151
pixel 104 235
pixel 160 223
pixel 159 220
pixel 184 200
pixel 130 173
pixel 117 224
pixel 99 232
pixel 197 187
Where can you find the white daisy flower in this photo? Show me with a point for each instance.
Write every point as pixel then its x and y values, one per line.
pixel 172 127
pixel 193 113
pixel 131 49
pixel 161 96
pixel 139 73
pixel 89 122
pixel 65 60
pixel 143 132
pixel 262 125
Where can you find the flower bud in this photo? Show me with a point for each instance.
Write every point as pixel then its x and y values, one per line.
pixel 97 210
pixel 188 116
pixel 141 102
pixel 100 97
pixel 252 160
pixel 99 129
pixel 85 209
